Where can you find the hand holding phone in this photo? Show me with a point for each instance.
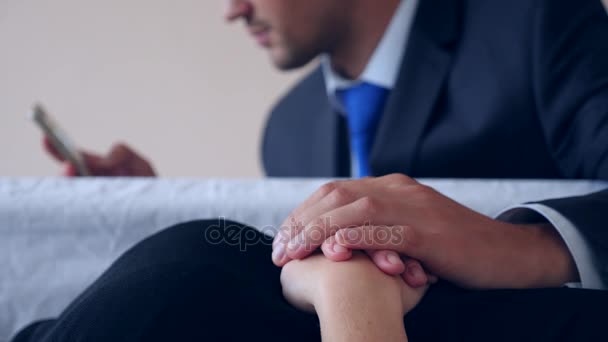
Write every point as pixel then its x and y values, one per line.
pixel 120 161
pixel 59 140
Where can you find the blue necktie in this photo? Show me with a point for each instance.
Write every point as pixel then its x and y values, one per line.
pixel 364 104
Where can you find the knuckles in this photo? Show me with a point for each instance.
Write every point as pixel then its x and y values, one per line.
pixel 338 197
pixel 368 205
pixel 291 223
pixel 419 192
pixel 327 189
pixel 424 193
pixel 122 148
pixel 399 179
pixel 282 236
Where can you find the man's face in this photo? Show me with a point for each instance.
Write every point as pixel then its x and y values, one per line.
pixel 294 31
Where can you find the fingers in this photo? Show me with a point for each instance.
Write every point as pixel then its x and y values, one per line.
pixel 50 149
pixel 122 161
pixel 334 251
pixel 335 206
pixel 70 170
pixel 398 239
pixel 410 270
pixel 289 228
pixel 326 198
pixel 401 239
pixel 388 262
pixel 95 164
pixel 321 228
pixel 414 275
pixel 297 220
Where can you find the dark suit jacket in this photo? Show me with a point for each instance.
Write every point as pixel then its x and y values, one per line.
pixel 487 89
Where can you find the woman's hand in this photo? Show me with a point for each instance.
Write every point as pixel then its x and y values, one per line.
pixel 301 282
pixel 307 284
pixel 355 301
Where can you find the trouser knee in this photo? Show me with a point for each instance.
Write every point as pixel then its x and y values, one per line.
pixel 197 241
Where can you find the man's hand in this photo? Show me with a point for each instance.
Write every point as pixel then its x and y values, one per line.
pixel 451 241
pixel 121 161
pixel 387 260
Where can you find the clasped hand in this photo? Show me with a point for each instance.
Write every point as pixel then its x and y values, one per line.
pixel 410 229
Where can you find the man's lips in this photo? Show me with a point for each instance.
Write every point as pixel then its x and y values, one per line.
pixel 261 35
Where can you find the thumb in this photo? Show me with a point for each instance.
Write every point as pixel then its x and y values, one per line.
pixel 334 251
pixel 51 150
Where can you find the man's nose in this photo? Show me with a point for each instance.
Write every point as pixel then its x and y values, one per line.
pixel 238 9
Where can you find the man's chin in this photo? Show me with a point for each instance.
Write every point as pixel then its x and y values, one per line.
pixel 285 62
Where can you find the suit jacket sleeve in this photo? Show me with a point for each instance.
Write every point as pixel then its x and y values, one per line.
pixel 570 63
pixel 588 214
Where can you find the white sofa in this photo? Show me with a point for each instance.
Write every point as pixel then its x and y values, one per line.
pixel 58 235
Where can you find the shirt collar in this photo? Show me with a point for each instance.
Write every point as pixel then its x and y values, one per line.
pixel 383 67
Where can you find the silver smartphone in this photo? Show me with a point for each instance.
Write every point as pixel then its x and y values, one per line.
pixel 62 143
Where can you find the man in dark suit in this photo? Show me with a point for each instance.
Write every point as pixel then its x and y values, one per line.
pixel 460 91
pixel 443 88
pixel 477 97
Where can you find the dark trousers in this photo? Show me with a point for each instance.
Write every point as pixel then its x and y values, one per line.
pixel 214 280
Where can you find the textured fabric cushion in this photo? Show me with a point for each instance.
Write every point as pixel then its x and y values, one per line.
pixel 58 235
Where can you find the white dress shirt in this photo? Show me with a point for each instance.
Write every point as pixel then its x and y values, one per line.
pixel 383 70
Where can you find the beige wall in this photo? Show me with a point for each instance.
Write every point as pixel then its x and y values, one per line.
pixel 169 77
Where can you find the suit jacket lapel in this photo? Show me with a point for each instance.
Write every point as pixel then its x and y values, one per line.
pixel 326 143
pixel 329 143
pixel 426 64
